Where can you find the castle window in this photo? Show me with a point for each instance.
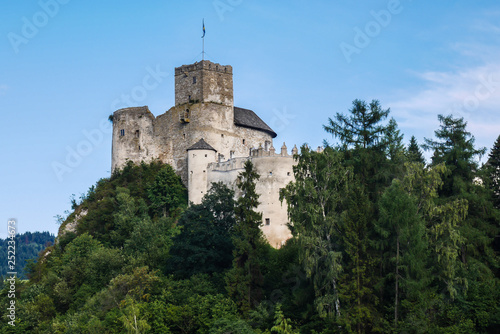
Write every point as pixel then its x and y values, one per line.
pixel 194 80
pixel 222 135
pixel 122 132
pixel 268 221
pixel 287 173
pixel 137 133
pixel 270 173
pixel 206 155
pixel 243 141
pixel 184 136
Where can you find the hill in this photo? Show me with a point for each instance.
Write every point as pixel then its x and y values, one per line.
pixel 28 246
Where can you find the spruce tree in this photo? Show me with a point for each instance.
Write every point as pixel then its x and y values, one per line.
pixel 494 171
pixel 454 147
pixel 414 154
pixel 244 281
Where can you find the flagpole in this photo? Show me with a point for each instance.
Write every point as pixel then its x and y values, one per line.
pixel 203 42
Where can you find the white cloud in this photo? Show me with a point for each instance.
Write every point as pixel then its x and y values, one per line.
pixel 472 93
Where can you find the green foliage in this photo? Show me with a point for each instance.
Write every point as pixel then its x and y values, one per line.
pixel 381 244
pixel 28 246
pixel 282 325
pixel 204 244
pixel 314 201
pixel 493 172
pixel 414 154
pixel 455 148
pixel 362 129
pixel 166 193
pixel 244 280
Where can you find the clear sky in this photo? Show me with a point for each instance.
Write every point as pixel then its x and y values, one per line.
pixel 66 65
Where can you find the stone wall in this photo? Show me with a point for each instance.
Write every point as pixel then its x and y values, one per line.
pixel 204 81
pixel 204 109
pixel 133 136
pixel 276 171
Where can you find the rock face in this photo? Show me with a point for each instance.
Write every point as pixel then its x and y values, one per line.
pixel 205 138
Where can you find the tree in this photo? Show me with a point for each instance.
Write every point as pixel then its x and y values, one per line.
pixel 455 148
pixel 244 280
pixel 404 246
pixel 166 193
pixel 359 277
pixel 204 244
pixel 493 167
pixel 282 325
pixel 372 148
pixel 414 154
pixel 362 128
pixel 314 205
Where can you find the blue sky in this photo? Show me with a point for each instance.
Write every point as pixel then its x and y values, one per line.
pixel 67 64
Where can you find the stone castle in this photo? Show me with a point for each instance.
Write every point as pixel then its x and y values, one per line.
pixel 206 139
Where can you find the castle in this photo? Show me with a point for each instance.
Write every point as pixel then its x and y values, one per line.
pixel 206 139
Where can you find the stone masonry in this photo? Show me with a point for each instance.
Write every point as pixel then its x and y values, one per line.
pixel 206 139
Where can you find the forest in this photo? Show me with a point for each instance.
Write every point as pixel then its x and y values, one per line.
pixel 383 242
pixel 28 245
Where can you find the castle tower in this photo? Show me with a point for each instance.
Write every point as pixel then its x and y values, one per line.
pixel 133 136
pixel 204 82
pixel 199 156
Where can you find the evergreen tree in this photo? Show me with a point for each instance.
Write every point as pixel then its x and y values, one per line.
pixel 414 154
pixel 358 280
pixel 362 128
pixel 404 246
pixel 314 206
pixel 454 147
pixel 244 280
pixel 372 148
pixel 204 244
pixel 494 171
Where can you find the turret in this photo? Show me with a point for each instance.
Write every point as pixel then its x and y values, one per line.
pixel 199 156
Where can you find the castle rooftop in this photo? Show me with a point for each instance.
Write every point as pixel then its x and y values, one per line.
pixel 201 145
pixel 249 119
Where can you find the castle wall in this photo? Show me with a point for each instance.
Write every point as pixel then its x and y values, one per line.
pixel 275 171
pixel 204 109
pixel 210 121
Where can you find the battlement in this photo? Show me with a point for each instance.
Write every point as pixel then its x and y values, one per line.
pixel 204 81
pixel 204 65
pixel 255 154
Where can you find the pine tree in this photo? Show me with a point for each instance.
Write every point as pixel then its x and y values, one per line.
pixel 414 154
pixel 244 281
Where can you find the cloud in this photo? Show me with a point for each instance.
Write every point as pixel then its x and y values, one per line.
pixel 472 93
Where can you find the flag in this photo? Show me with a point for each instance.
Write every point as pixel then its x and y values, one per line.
pixel 203 29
